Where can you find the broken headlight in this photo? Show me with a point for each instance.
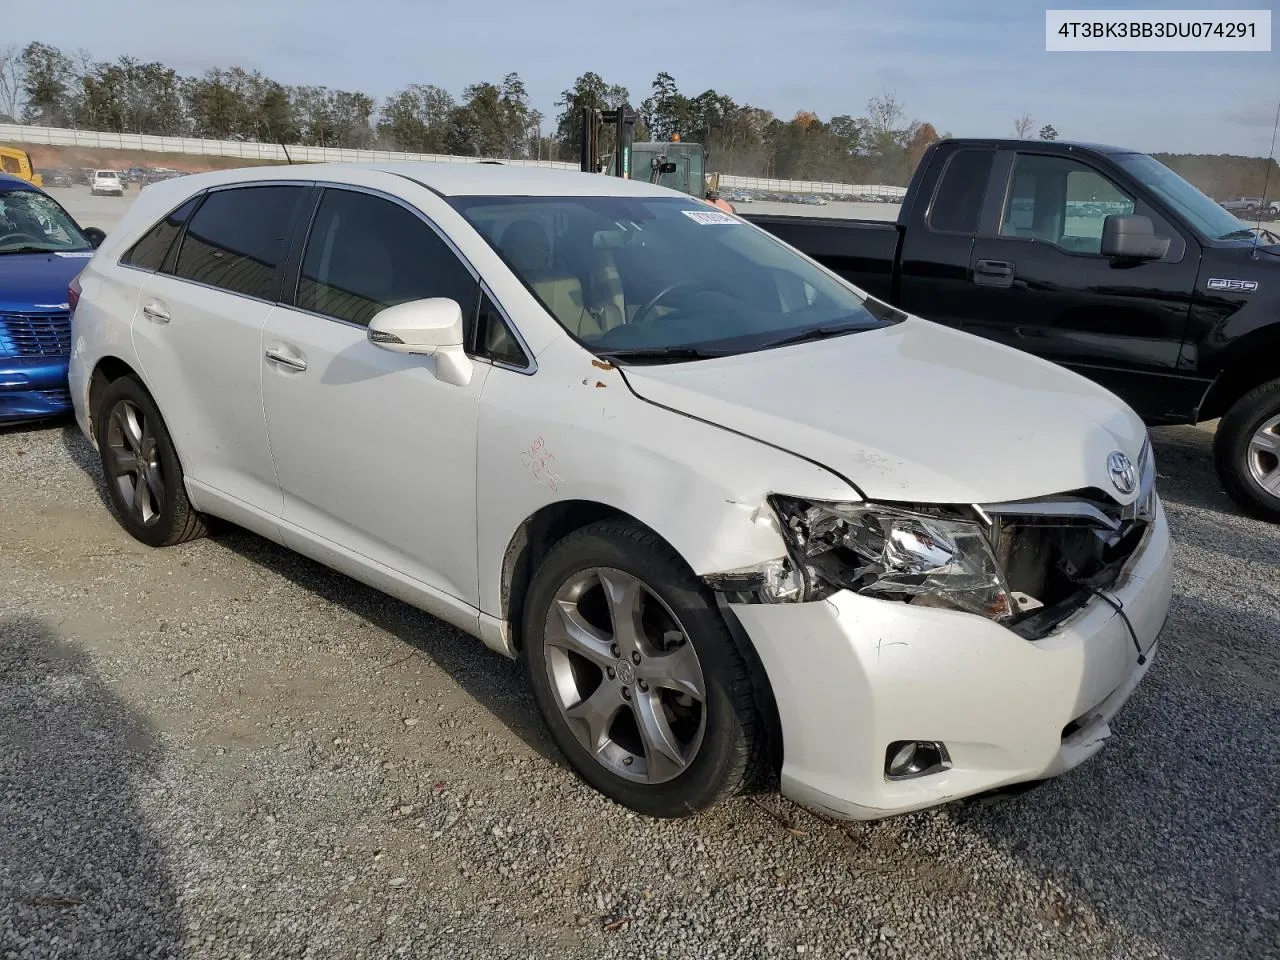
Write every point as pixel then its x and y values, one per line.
pixel 929 556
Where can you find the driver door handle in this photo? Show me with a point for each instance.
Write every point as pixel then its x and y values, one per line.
pixel 153 311
pixel 279 356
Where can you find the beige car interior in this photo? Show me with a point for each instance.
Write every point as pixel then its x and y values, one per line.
pixel 584 313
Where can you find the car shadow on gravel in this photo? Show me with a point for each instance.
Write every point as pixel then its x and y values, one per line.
pixel 1171 829
pixel 85 456
pixel 491 680
pixel 82 873
pixel 494 682
pixel 1185 470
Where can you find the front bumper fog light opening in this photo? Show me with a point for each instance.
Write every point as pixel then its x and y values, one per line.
pixel 908 759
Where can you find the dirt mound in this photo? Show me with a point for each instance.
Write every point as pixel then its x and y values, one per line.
pixel 45 157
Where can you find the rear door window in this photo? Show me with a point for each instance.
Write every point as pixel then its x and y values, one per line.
pixel 239 238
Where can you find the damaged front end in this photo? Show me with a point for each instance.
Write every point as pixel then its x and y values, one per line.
pixel 1026 564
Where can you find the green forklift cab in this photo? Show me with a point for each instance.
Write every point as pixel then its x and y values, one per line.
pixel 653 161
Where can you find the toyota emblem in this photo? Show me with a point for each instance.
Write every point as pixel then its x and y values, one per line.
pixel 1123 475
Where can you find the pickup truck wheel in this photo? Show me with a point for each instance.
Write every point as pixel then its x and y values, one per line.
pixel 1247 451
pixel 144 479
pixel 636 674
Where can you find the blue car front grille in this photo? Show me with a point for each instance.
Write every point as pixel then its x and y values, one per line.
pixel 36 334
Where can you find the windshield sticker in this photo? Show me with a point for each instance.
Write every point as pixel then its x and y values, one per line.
pixel 708 216
pixel 75 254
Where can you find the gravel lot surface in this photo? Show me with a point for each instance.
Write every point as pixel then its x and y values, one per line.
pixel 223 750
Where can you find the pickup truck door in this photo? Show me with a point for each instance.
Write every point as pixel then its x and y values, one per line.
pixel 1044 286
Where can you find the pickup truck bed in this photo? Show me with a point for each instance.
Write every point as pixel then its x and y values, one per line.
pixel 863 251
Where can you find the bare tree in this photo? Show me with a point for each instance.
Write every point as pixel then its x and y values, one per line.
pixel 884 113
pixel 1022 126
pixel 10 82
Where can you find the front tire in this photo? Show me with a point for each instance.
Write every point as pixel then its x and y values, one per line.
pixel 144 478
pixel 636 675
pixel 1247 451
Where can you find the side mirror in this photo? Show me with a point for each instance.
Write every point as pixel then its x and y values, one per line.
pixel 431 328
pixel 95 236
pixel 1132 237
pixel 667 167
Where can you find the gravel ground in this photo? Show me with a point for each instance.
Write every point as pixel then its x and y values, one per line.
pixel 222 750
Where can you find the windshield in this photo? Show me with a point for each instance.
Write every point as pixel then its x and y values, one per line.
pixel 31 222
pixel 1204 214
pixel 636 276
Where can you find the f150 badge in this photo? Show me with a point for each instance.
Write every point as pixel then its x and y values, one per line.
pixel 1235 286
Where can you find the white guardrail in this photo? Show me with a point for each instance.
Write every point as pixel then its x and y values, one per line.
pixel 251 150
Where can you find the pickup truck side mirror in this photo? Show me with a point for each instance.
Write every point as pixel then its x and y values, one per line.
pixel 1132 237
pixel 430 327
pixel 95 236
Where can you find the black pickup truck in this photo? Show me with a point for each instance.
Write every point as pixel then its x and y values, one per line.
pixel 1097 258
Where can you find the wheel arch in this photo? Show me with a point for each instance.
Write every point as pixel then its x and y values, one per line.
pixel 107 371
pixel 548 525
pixel 1250 364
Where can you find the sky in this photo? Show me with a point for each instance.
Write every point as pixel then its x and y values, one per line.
pixel 969 68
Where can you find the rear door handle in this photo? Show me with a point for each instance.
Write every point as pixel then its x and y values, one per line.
pixel 278 356
pixel 153 311
pixel 993 273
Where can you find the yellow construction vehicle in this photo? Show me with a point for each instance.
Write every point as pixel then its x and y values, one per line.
pixel 18 163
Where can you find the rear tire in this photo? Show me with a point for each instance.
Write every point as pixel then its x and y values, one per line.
pixel 636 675
pixel 1247 451
pixel 144 478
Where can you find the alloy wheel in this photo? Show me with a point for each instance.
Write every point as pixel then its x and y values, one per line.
pixel 625 676
pixel 133 462
pixel 1264 456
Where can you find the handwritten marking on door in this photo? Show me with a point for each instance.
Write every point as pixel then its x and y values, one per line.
pixel 539 461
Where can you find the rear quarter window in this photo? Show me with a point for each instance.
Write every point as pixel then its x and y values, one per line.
pixel 957 202
pixel 150 250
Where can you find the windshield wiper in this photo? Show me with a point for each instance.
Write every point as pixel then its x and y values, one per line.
pixel 1245 234
pixel 27 248
pixel 660 354
pixel 813 333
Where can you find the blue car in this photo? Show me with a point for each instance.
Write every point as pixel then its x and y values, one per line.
pixel 42 250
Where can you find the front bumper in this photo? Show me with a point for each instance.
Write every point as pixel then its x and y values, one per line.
pixel 33 388
pixel 852 674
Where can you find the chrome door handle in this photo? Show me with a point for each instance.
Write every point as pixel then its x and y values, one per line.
pixel 285 360
pixel 154 311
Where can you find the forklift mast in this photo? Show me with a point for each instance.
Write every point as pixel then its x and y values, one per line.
pixel 624 118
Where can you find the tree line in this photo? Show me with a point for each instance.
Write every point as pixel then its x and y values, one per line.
pixel 44 85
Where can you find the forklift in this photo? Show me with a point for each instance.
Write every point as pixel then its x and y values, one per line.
pixel 678 165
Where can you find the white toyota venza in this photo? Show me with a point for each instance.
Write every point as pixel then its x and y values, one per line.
pixel 745 526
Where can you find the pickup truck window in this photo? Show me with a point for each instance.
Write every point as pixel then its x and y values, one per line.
pixel 1202 213
pixel 958 199
pixel 664 278
pixel 1061 201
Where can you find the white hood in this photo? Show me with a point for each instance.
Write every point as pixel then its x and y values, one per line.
pixel 915 411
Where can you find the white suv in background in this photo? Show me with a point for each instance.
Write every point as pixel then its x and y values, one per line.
pixel 738 519
pixel 106 182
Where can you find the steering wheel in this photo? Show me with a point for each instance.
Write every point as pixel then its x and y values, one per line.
pixel 642 314
pixel 19 236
